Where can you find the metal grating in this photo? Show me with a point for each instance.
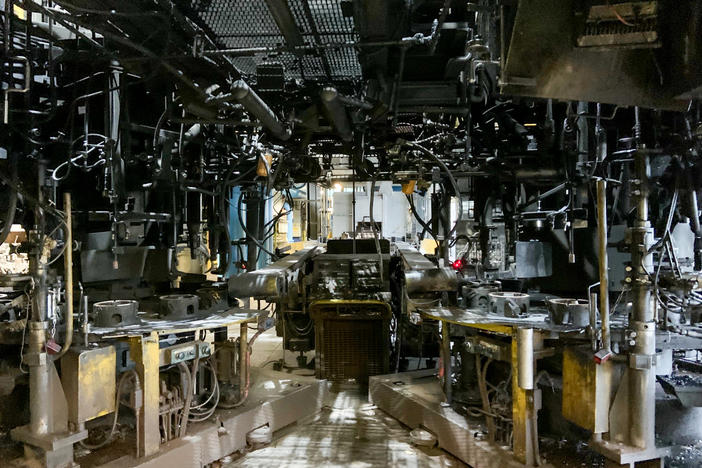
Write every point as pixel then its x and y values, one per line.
pixel 248 23
pixel 352 349
pixel 334 27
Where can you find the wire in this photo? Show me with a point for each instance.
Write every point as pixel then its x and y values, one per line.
pixel 248 233
pixel 109 437
pixel 419 219
pixel 451 179
pixel 375 231
pixel 619 17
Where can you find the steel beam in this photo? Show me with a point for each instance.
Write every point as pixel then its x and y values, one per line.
pixel 280 11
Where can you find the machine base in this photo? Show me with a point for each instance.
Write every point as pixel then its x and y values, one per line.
pixel 277 400
pixel 630 457
pixel 415 399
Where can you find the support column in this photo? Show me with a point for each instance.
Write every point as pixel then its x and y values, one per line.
pixel 525 445
pixel 642 326
pixel 144 352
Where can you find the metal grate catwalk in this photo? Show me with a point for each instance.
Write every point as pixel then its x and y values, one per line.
pixel 248 23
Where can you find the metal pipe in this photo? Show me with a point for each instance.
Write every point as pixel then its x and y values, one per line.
pixel 280 11
pixel 522 174
pixel 86 324
pixel 68 272
pixel 337 113
pixel 603 261
pixel 593 320
pixel 592 309
pixel 430 280
pixel 525 360
pixel 243 359
pixel 694 221
pixel 642 378
pixel 417 39
pixel 39 401
pixel 437 25
pixel 253 103
pixel 351 101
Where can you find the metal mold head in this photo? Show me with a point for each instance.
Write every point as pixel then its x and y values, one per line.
pixel 564 311
pixel 509 304
pixel 179 306
pixel 115 313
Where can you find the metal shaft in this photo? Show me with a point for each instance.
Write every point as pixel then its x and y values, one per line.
pixel 603 261
pixel 243 361
pixel 593 320
pixel 86 325
pixel 642 377
pixel 68 267
pixel 525 365
pixel 39 401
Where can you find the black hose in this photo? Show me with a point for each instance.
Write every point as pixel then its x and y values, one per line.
pixel 419 219
pixel 248 233
pixel 451 179
pixel 375 231
pixel 12 205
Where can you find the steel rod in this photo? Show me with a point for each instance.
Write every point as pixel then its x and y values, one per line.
pixel 603 261
pixel 68 275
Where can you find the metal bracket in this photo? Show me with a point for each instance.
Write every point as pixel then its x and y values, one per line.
pixel 641 361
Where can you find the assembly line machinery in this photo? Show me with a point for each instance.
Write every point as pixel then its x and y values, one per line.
pixel 544 306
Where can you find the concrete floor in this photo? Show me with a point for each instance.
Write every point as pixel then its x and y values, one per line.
pixel 348 432
pixel 351 432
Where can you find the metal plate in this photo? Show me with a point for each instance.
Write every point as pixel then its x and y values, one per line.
pixel 88 378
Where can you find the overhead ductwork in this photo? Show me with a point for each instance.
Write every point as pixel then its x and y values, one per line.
pixel 253 104
pixel 337 113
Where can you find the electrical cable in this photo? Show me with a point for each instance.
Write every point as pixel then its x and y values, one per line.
pixel 248 233
pixel 451 179
pixel 118 402
pixel 419 219
pixel 482 378
pixel 190 378
pixel 375 231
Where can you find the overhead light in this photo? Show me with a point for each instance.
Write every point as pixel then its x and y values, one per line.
pixel 337 187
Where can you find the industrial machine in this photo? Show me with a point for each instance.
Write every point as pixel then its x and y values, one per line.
pixel 349 303
pixel 514 185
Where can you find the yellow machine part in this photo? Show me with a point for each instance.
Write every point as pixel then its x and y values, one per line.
pixel 588 389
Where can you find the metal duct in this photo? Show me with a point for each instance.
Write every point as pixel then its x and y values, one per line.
pixel 280 11
pixel 337 113
pixel 434 280
pixel 253 103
